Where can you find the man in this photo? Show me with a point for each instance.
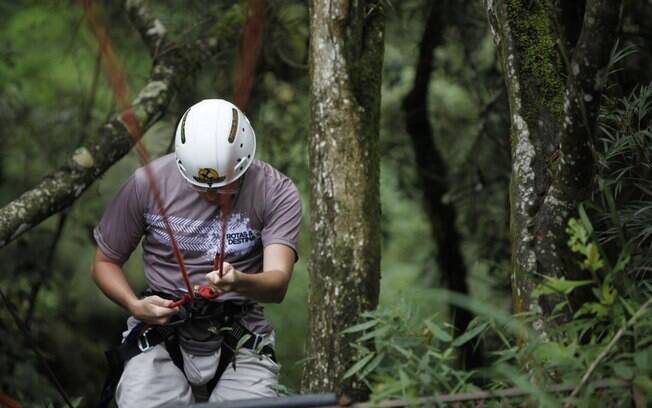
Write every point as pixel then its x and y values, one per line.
pixel 227 344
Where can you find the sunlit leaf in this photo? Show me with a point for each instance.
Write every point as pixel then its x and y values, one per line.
pixel 553 285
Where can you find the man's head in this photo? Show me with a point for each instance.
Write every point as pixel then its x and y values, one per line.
pixel 214 144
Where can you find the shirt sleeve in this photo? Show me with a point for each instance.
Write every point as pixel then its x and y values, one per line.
pixel 122 225
pixel 282 216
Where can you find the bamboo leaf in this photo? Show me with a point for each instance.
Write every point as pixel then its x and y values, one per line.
pixel 360 327
pixel 358 366
pixel 438 332
pixel 470 334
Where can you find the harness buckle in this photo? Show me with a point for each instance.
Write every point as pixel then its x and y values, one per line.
pixel 143 341
pixel 257 340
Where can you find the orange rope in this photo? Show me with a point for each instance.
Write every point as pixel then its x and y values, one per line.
pixel 248 53
pixel 120 90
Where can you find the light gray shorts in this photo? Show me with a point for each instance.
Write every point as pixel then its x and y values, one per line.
pixel 151 379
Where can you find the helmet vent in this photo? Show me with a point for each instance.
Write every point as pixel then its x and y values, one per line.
pixel 234 125
pixel 183 127
pixel 241 145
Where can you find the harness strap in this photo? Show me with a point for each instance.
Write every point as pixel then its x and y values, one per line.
pixel 229 346
pixel 142 338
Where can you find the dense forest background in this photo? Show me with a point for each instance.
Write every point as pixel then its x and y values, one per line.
pixel 449 281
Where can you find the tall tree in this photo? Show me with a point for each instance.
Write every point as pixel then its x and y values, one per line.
pixel 346 58
pixel 554 96
pixel 433 174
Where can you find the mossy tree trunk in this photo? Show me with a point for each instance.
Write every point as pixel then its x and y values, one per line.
pixel 554 107
pixel 346 58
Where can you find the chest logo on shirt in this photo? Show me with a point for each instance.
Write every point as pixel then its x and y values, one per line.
pixel 204 236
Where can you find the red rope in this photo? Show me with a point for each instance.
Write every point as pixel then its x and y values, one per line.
pixel 118 85
pixel 248 53
pixel 8 402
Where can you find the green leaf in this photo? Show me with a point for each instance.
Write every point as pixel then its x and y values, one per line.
pixel 556 352
pixel 624 371
pixel 358 366
pixel 608 292
pixel 405 352
pixel 645 384
pixel 378 332
pixel 438 332
pixel 372 365
pixel 558 286
pixel 470 334
pixel 586 223
pixel 621 264
pixel 643 359
pixel 593 262
pixel 360 327
pixel 592 308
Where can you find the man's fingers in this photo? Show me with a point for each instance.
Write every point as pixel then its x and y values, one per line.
pixel 165 311
pixel 158 301
pixel 213 277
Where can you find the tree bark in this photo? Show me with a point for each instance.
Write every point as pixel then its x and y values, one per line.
pixel 433 175
pixel 346 56
pixel 553 115
pixel 173 63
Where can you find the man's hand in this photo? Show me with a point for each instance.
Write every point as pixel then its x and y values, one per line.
pixel 228 282
pixel 153 310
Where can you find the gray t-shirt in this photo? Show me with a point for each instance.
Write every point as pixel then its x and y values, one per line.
pixel 267 210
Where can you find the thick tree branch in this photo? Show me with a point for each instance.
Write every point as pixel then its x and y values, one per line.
pixel 150 28
pixel 586 82
pixel 61 188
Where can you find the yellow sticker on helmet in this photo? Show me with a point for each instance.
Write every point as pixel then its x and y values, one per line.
pixel 208 175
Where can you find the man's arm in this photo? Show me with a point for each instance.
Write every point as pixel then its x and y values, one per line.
pixel 269 286
pixel 110 278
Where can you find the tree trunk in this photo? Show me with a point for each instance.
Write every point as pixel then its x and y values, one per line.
pixel 346 56
pixel 433 176
pixel 553 115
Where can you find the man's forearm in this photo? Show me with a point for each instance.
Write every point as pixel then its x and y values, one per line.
pixel 267 287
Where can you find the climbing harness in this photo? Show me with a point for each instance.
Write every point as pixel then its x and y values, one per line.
pixel 223 317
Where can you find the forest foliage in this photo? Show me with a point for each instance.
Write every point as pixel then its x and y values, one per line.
pixel 53 96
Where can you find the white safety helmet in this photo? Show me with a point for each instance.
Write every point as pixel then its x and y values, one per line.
pixel 215 143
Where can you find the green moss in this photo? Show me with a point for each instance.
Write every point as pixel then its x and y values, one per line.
pixel 539 62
